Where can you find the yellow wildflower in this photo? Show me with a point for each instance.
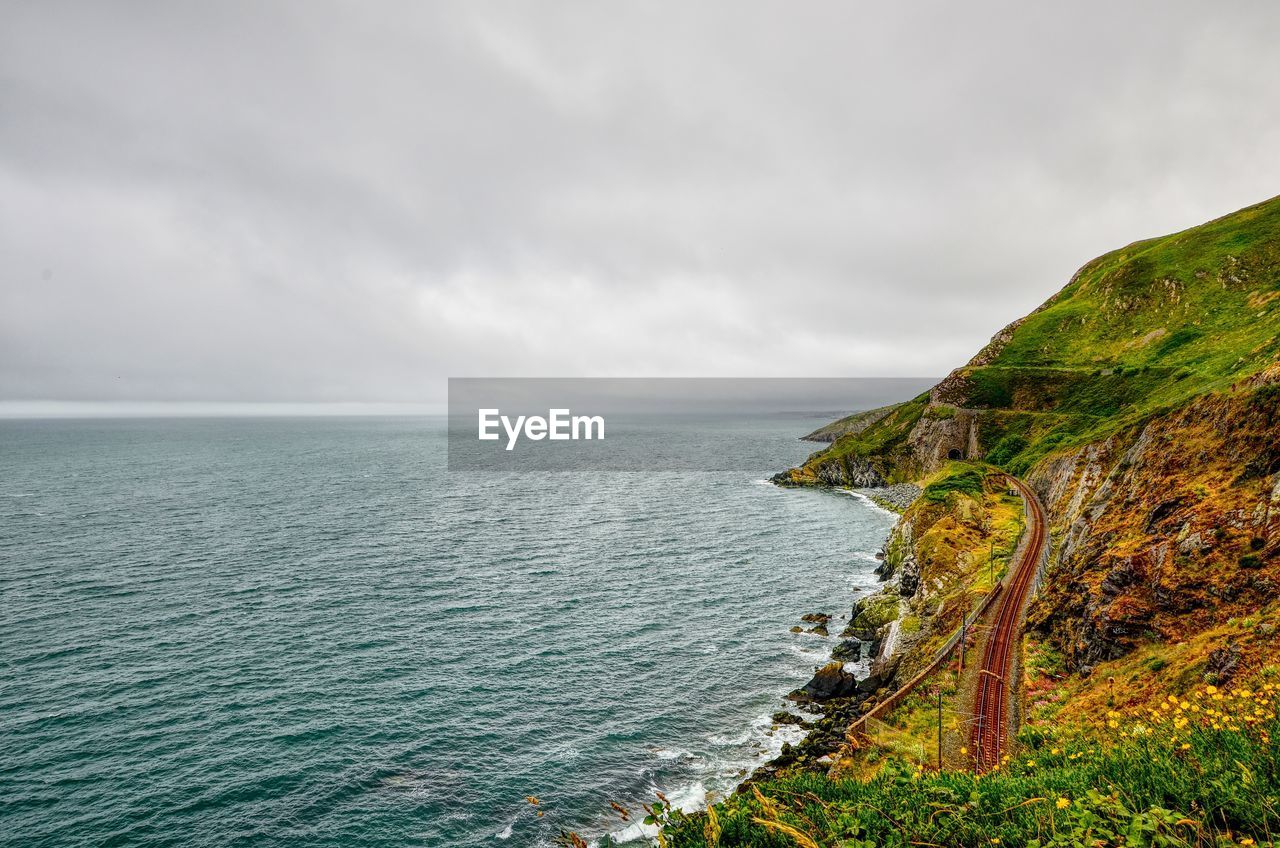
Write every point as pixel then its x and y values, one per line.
pixel 1063 803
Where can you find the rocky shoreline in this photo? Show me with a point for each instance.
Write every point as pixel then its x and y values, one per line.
pixel 836 695
pixel 895 498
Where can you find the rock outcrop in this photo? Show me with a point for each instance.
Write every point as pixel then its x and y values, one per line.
pixel 1164 529
pixel 830 681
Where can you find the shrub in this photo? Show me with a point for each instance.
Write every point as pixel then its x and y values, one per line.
pixel 964 479
pixel 1006 449
pixel 1199 770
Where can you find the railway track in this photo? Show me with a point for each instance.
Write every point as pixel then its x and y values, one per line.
pixel 987 740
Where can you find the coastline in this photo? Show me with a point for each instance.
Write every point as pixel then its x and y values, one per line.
pixel 827 717
pixel 895 498
pixel 817 728
pixel 835 693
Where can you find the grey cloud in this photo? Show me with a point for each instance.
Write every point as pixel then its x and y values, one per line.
pixel 319 201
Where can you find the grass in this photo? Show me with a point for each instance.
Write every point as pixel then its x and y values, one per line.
pixel 1203 769
pixel 884 443
pixel 965 527
pixel 1137 332
pixel 957 477
pixel 1159 333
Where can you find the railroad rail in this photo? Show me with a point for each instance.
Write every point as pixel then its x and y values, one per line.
pixel 992 699
pixel 887 704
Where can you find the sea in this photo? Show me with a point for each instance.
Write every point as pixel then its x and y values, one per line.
pixel 307 631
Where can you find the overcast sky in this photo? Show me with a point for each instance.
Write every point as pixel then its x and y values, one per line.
pixel 271 201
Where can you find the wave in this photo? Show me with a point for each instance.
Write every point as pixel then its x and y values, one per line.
pixel 869 502
pixel 687 799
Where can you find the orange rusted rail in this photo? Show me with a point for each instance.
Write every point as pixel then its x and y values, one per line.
pixel 859 726
pixel 992 703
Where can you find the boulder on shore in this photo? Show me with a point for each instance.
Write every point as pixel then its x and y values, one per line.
pixel 784 717
pixel 830 681
pixel 850 650
pixel 870 614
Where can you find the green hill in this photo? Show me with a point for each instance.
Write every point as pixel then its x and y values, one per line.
pixel 1142 404
pixel 1136 332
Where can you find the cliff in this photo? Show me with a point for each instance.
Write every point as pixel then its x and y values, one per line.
pixel 1142 403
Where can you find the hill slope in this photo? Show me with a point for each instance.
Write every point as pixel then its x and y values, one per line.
pixel 1142 404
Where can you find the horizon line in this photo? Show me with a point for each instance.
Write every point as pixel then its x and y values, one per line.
pixel 36 409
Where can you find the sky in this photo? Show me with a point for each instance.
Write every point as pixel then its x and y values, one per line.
pixel 350 202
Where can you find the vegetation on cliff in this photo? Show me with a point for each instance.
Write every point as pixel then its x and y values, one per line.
pixel 855 423
pixel 1201 769
pixel 1136 333
pixel 873 456
pixel 1142 404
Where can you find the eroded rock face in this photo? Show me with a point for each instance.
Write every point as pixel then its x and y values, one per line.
pixel 909 579
pixel 856 473
pixel 836 471
pixel 1165 529
pixel 934 441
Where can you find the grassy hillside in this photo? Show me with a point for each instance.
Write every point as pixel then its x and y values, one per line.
pixel 1198 301
pixel 1137 332
pixel 1203 770
pixel 855 423
pixel 1142 404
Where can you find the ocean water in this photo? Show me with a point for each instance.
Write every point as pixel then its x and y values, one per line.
pixel 306 632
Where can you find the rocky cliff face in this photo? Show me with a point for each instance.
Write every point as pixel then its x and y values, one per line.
pixel 1166 528
pixel 944 434
pixel 853 472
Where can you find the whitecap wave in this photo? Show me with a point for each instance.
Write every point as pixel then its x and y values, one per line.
pixel 818 652
pixel 687 799
pixel 869 502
